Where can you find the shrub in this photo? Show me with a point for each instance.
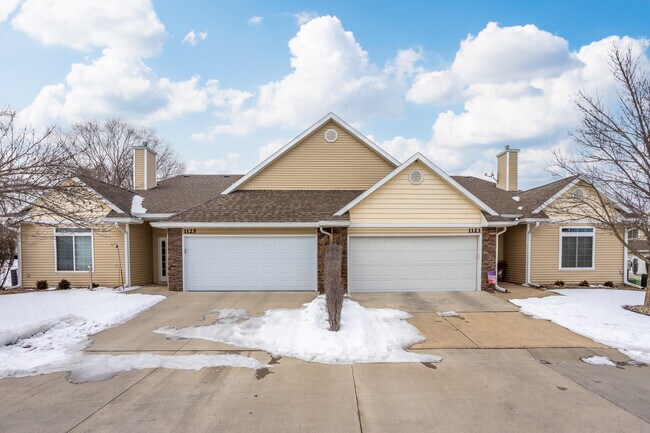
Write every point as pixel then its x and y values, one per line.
pixel 584 283
pixel 559 283
pixel 95 285
pixel 63 285
pixel 608 284
pixel 41 285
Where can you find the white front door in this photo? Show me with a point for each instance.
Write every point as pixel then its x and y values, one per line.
pixel 162 260
pixel 413 263
pixel 249 263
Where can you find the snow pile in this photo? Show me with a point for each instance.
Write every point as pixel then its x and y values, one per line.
pixel 597 314
pixel 46 332
pixel 136 205
pixel 447 314
pixel 367 335
pixel 599 360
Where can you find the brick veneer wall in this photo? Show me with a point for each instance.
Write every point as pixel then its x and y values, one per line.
pixel 175 260
pixel 340 236
pixel 488 257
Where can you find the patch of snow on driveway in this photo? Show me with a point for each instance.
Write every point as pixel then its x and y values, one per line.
pixel 598 360
pixel 46 332
pixel 367 335
pixel 597 314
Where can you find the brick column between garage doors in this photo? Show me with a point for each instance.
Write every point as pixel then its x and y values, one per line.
pixel 488 257
pixel 340 237
pixel 175 259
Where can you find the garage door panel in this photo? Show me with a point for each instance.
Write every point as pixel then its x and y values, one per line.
pixel 250 263
pixel 415 263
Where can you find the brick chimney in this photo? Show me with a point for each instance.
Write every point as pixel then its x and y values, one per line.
pixel 144 167
pixel 508 169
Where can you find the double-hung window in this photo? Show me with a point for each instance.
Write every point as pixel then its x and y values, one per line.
pixel 74 249
pixel 577 248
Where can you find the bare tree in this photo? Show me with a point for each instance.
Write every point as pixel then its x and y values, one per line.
pixel 612 155
pixel 102 150
pixel 35 178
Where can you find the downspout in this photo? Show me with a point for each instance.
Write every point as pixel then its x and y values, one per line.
pixel 330 235
pixel 19 247
pixel 529 232
pixel 127 253
pixel 496 284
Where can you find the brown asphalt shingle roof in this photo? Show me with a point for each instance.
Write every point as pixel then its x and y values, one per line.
pixel 270 206
pixel 183 192
pixel 640 244
pixel 120 197
pixel 499 200
pixel 535 197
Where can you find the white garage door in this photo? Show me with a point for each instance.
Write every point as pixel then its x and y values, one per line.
pixel 250 263
pixel 427 263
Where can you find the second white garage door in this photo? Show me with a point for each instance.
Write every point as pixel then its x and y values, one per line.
pixel 426 263
pixel 249 263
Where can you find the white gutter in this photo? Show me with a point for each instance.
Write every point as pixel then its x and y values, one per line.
pixel 529 232
pixel 153 215
pixel 172 225
pixel 502 223
pixel 496 284
pixel 127 253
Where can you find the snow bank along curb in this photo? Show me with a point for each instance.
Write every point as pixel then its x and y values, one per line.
pixel 367 335
pixel 597 314
pixel 45 332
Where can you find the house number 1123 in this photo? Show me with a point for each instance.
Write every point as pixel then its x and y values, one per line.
pixel 474 230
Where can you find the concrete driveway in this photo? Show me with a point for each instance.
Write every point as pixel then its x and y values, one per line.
pixel 501 372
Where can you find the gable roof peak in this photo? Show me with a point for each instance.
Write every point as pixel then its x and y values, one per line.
pixel 307 132
pixel 440 172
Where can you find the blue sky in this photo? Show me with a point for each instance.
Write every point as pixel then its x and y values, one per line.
pixel 228 82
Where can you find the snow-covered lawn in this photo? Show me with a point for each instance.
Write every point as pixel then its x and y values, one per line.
pixel 46 332
pixel 367 335
pixel 597 314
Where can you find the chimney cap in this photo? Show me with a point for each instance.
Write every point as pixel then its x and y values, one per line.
pixel 145 146
pixel 506 150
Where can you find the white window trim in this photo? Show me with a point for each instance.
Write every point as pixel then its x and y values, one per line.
pixel 74 263
pixel 591 234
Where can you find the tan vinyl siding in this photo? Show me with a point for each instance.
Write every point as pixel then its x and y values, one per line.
pixel 253 231
pixel 346 164
pixel 141 254
pixel 514 171
pixel 433 201
pixel 501 171
pixel 565 208
pixel 38 263
pixel 138 167
pixel 151 170
pixel 399 231
pixel 546 258
pixel 513 245
pixel 156 234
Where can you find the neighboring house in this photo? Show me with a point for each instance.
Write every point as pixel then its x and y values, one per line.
pixel 642 245
pixel 404 227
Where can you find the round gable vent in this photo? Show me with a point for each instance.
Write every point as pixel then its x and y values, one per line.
pixel 416 177
pixel 578 193
pixel 331 135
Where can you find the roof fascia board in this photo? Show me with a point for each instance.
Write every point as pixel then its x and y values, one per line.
pixel 284 149
pixel 173 225
pixel 432 167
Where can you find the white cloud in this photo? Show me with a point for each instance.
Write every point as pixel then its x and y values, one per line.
pixel 117 82
pixel 304 17
pixel 7 7
pixel 129 26
pixel 402 148
pixel 226 165
pixel 192 38
pixel 516 86
pixel 330 72
pixel 270 148
pixel 255 20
